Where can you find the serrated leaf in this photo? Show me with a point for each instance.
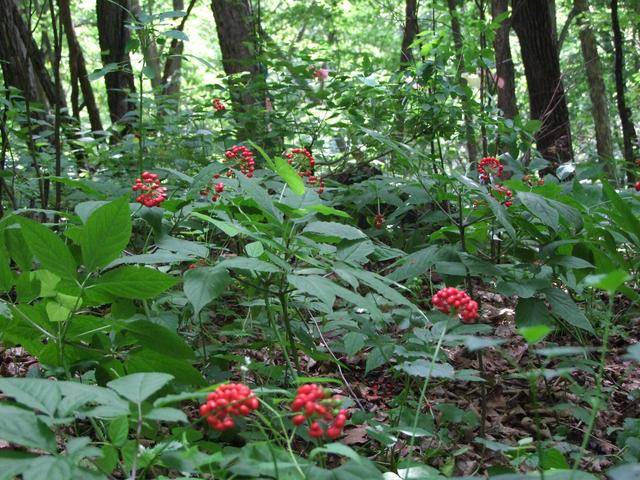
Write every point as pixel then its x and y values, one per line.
pixel 202 285
pixel 139 283
pixel 49 249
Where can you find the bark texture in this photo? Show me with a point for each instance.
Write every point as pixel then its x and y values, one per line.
pixel 16 68
pixel 505 72
pixel 238 38
pixel 411 29
pixel 78 67
pixel 531 19
pixel 113 36
pixel 629 137
pixel 597 91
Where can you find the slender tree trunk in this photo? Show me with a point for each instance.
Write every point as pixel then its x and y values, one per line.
pixel 597 91
pixel 173 64
pixel 472 150
pixel 505 71
pixel 411 29
pixel 78 66
pixel 533 24
pixel 238 38
pixel 629 136
pixel 38 65
pixel 113 37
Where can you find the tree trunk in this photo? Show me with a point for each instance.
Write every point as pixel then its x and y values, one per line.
pixel 597 92
pixel 505 72
pixel 237 35
pixel 78 66
pixel 33 52
pixel 411 29
pixel 472 151
pixel 14 59
pixel 173 64
pixel 533 24
pixel 113 37
pixel 629 136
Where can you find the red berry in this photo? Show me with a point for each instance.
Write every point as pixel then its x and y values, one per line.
pixel 299 420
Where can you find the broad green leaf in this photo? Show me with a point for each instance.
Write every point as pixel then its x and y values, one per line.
pixel 146 360
pixel 119 430
pixel 246 263
pixel 326 290
pixel 326 210
pixel 226 227
pixel 534 333
pixel 49 249
pixel 161 339
pixel 39 394
pixel 414 265
pixel 289 175
pixel 106 234
pixel 202 285
pixel 426 369
pixel 138 283
pixel 260 196
pixel 531 312
pixel 23 428
pixel 565 308
pixel 540 207
pixel 630 471
pixel 254 249
pixel 333 229
pixel 608 281
pixel 13 463
pixel 167 414
pixel 139 386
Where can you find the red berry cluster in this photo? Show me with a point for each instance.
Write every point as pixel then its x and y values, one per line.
pixel 489 166
pixel 152 192
pixel 637 186
pixel 503 193
pixel 218 188
pixel 306 166
pixel 218 105
pixel 246 163
pixel 316 403
pixel 451 300
pixel 231 399
pixel 378 221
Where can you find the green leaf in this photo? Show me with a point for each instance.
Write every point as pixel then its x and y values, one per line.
pixel 426 369
pixel 161 339
pixel 565 308
pixel 531 312
pixel 176 34
pixel 226 227
pixel 246 263
pixel 333 229
pixel 353 343
pixel 254 249
pixel 630 471
pixel 609 282
pixel 139 283
pixel 23 428
pixel 540 207
pixel 260 196
pixel 535 333
pixel 167 414
pixel 414 265
pixel 204 284
pixel 49 249
pixel 146 360
pixel 326 210
pixel 289 175
pixel 119 431
pixel 13 463
pixel 139 386
pixel 106 234
pixel 36 393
